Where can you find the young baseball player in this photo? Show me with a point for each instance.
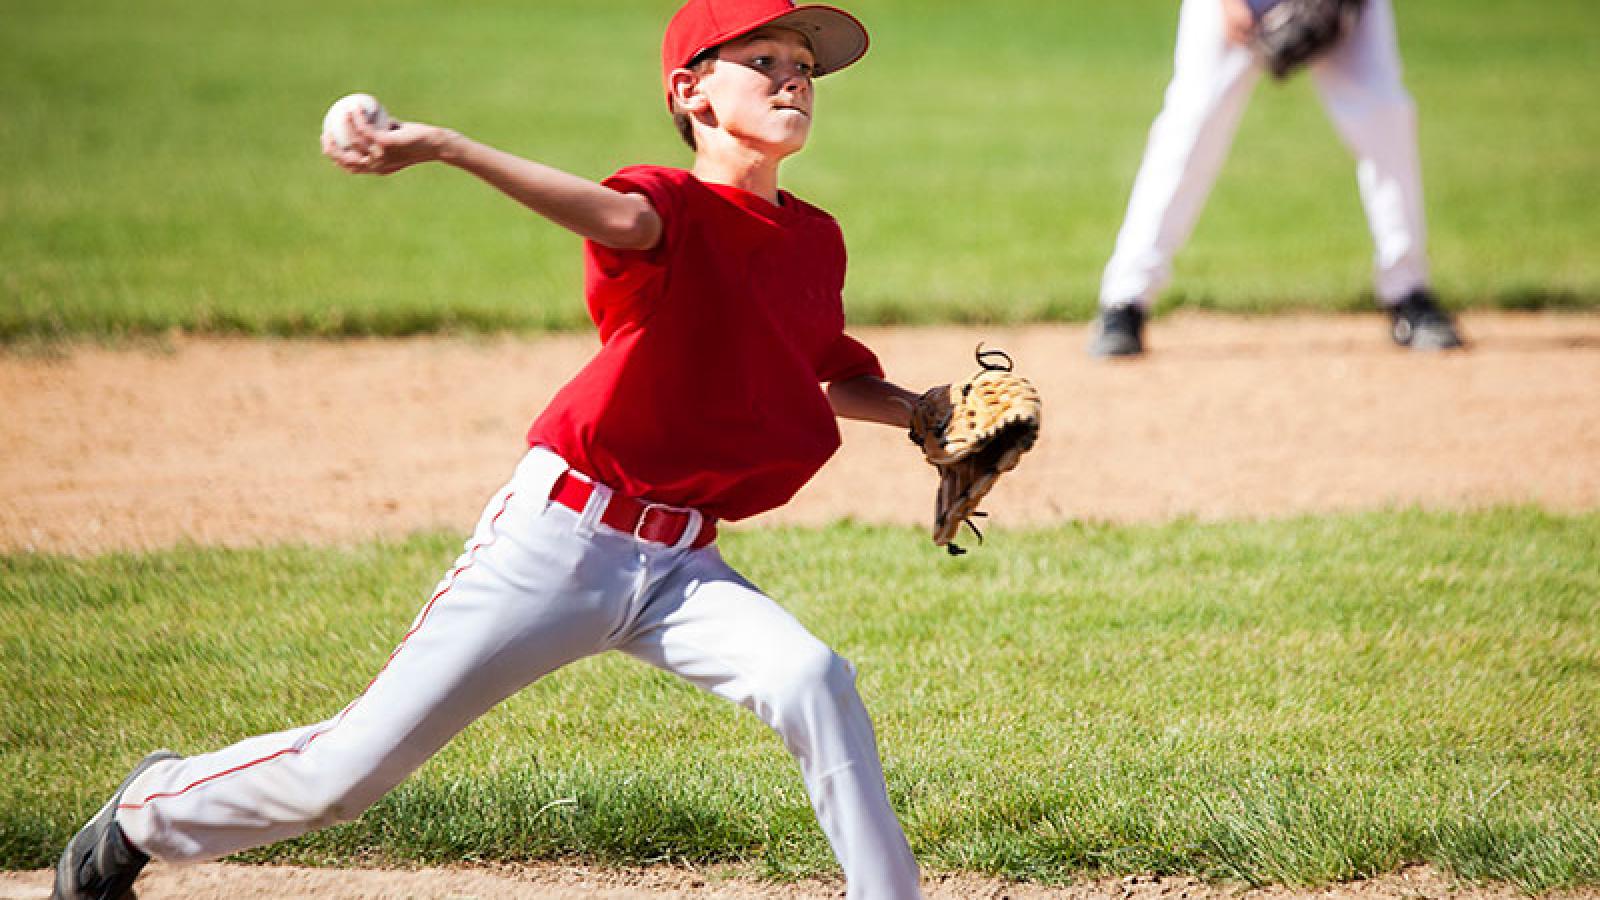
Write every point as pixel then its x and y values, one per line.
pixel 717 299
pixel 1214 72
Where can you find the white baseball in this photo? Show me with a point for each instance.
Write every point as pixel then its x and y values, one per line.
pixel 366 106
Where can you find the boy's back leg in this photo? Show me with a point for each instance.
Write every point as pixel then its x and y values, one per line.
pixel 516 605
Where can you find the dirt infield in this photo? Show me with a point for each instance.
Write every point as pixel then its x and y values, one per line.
pixel 247 442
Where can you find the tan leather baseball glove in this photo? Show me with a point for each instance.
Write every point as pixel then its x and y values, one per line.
pixel 972 432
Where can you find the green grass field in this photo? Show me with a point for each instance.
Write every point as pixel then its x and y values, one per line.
pixel 1297 702
pixel 161 167
pixel 1286 702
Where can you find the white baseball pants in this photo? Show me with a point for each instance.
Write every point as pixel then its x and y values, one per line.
pixel 1360 85
pixel 538 587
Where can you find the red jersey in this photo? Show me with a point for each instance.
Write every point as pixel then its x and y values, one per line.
pixel 707 390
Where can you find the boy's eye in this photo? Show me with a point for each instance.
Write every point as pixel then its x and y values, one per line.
pixel 766 63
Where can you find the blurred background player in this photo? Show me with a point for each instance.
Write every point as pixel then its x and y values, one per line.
pixel 1214 72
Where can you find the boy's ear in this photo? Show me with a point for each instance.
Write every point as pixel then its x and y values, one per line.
pixel 684 85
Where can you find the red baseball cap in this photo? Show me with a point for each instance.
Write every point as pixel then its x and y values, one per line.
pixel 837 38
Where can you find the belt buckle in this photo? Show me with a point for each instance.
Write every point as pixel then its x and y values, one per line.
pixel 691 528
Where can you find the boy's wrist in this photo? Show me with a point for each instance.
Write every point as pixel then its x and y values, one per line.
pixel 449 147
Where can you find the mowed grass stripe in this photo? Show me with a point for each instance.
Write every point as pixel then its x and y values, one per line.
pixel 979 160
pixel 1298 701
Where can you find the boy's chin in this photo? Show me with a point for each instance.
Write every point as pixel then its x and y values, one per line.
pixel 781 141
pixel 790 143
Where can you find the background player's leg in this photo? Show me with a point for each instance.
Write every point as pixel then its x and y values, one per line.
pixel 1211 83
pixel 515 606
pixel 1361 87
pixel 709 625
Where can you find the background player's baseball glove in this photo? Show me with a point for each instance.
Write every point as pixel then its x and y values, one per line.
pixel 972 432
pixel 1294 32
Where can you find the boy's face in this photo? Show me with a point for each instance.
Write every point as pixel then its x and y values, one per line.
pixel 760 89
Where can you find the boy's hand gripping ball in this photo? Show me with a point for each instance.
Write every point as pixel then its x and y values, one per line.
pixel 335 124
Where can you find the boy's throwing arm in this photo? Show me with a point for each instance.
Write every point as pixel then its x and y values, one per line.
pixel 588 209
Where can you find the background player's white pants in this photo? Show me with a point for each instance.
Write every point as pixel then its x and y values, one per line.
pixel 537 588
pixel 1360 86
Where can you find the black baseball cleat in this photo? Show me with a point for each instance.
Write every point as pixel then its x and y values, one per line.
pixel 99 863
pixel 1418 322
pixel 1119 331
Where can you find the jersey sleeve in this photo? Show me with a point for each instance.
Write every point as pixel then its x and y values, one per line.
pixel 848 358
pixel 618 282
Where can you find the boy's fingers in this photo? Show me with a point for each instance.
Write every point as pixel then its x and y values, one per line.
pixel 354 161
pixel 344 159
pixel 360 134
pixel 368 150
pixel 333 151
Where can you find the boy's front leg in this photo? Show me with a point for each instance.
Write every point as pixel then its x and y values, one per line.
pixel 710 626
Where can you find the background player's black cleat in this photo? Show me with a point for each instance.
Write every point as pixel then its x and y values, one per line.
pixel 99 863
pixel 1418 322
pixel 1118 332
